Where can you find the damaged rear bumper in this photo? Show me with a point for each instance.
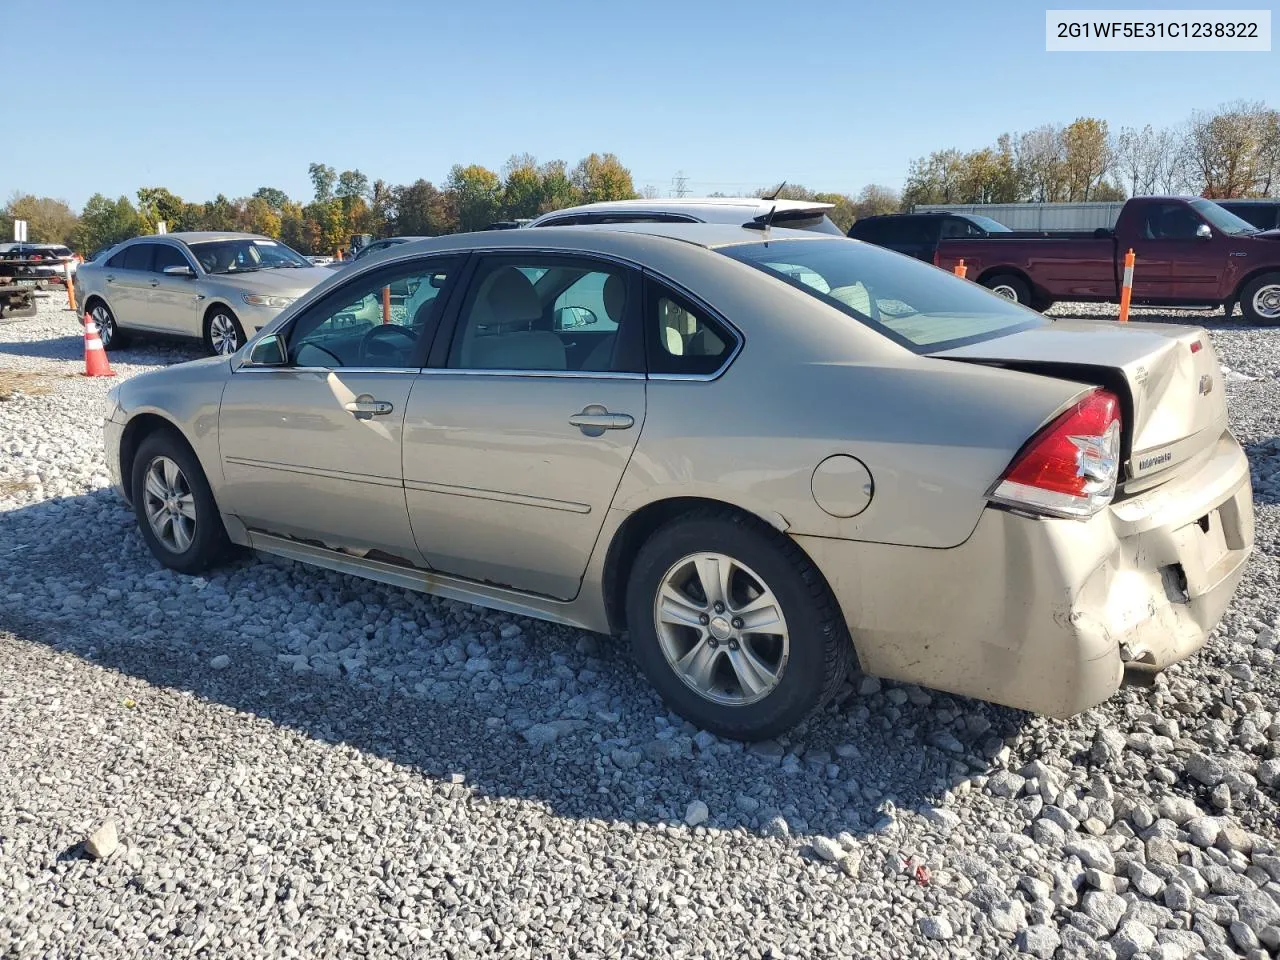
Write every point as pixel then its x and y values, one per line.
pixel 1049 615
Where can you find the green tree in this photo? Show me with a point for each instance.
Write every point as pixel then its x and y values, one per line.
pixel 423 211
pixel 323 179
pixel 293 228
pixel 842 211
pixel 1087 157
pixel 275 198
pixel 158 203
pixel 556 189
pixel 875 200
pixel 602 177
pixel 521 188
pixel 477 191
pixel 48 220
pixel 257 216
pixel 104 222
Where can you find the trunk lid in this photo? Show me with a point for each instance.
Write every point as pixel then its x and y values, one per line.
pixel 1167 376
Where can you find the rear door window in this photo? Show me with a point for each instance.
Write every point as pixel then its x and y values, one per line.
pixel 138 256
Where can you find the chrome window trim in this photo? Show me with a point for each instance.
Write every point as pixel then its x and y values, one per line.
pixel 566 374
pixel 248 367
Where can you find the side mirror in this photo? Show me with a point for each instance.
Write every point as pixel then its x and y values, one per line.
pixel 570 317
pixel 1203 231
pixel 179 270
pixel 269 352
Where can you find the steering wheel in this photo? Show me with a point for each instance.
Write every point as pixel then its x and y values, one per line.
pixel 376 344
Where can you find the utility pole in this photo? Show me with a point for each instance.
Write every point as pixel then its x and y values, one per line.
pixel 679 184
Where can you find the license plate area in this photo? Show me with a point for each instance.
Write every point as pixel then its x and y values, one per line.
pixel 1206 549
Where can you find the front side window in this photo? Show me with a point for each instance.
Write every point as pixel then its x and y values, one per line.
pixel 553 315
pixel 1171 221
pixel 381 320
pixel 245 255
pixel 1222 219
pixel 168 256
pixel 913 304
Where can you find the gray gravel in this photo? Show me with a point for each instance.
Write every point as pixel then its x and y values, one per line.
pixel 296 763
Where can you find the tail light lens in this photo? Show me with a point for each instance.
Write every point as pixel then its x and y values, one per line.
pixel 1070 468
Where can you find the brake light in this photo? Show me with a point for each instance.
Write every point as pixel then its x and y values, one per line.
pixel 1070 468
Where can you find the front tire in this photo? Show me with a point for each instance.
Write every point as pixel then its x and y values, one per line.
pixel 174 505
pixel 735 627
pixel 1010 287
pixel 1260 300
pixel 223 334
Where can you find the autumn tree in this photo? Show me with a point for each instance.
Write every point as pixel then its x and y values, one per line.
pixel 1235 150
pixel 521 187
pixel 874 200
pixel 601 177
pixel 48 220
pixel 422 210
pixel 477 192
pixel 1086 152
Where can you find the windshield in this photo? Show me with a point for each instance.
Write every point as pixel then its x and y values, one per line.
pixel 1220 218
pixel 245 255
pixel 987 224
pixel 915 304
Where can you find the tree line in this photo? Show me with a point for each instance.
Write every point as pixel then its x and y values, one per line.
pixel 1232 151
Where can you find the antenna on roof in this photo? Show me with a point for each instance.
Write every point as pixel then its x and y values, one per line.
pixel 778 191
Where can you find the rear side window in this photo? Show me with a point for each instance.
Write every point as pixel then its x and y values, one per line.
pixel 682 338
pixel 138 256
pixel 117 262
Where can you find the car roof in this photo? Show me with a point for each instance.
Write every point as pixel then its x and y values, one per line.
pixel 712 208
pixel 622 239
pixel 199 236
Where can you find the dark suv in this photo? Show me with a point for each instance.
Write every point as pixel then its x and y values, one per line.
pixel 917 234
pixel 1263 214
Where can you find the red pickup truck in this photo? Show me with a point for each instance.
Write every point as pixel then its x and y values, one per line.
pixel 1190 252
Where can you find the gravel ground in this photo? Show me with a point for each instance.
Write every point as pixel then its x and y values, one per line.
pixel 277 761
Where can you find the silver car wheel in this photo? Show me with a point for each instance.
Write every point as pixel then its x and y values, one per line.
pixel 1266 302
pixel 222 334
pixel 170 507
pixel 1006 291
pixel 106 324
pixel 721 629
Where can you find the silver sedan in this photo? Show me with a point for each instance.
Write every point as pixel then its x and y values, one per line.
pixel 763 454
pixel 219 287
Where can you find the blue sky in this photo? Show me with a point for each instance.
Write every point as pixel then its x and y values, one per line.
pixel 230 96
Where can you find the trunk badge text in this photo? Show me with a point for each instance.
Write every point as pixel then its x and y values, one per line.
pixel 1206 385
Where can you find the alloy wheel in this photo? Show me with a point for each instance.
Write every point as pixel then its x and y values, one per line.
pixel 721 629
pixel 222 334
pixel 170 507
pixel 1266 302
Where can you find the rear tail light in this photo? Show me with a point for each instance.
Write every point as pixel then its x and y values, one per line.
pixel 1070 468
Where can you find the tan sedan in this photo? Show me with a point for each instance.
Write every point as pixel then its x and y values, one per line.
pixel 760 453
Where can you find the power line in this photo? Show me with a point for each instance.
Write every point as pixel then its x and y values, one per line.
pixel 680 184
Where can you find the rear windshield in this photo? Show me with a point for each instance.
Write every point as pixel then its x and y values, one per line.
pixel 987 224
pixel 915 304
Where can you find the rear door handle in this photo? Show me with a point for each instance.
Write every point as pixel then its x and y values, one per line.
pixel 364 407
pixel 111 279
pixel 155 283
pixel 595 419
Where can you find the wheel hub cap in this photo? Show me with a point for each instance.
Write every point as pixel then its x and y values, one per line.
pixel 169 505
pixel 1267 302
pixel 721 629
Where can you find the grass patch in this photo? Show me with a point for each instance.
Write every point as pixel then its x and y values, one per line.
pixel 23 381
pixel 10 487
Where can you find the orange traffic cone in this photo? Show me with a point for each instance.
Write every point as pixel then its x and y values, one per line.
pixel 95 358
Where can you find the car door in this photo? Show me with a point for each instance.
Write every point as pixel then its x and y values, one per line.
pixel 1166 238
pixel 174 302
pixel 311 441
pixel 515 439
pixel 128 285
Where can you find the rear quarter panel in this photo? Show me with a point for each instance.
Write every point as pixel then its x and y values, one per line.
pixel 811 383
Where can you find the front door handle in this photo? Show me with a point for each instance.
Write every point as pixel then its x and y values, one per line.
pixel 595 419
pixel 111 279
pixel 155 283
pixel 365 407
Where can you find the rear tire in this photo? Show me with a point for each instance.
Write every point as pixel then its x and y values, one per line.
pixel 223 334
pixel 109 332
pixel 174 505
pixel 703 656
pixel 1010 287
pixel 1260 300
